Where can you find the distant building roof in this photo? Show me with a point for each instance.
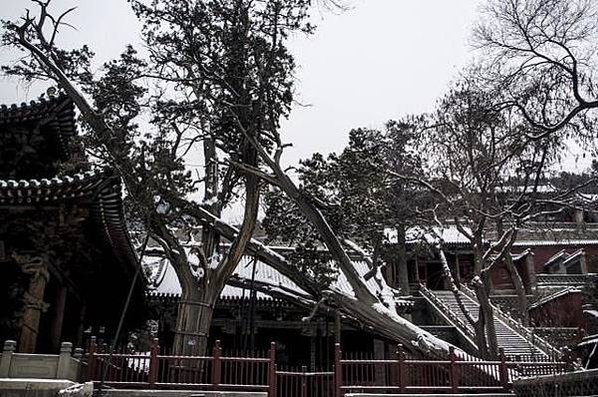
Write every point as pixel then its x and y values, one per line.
pixel 165 281
pixel 448 235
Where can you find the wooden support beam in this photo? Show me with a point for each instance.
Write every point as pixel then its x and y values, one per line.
pixel 37 268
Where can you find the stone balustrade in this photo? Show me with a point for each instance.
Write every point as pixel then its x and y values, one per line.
pixel 65 365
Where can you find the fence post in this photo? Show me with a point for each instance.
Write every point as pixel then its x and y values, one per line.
pixel 216 353
pixel 303 381
pixel 503 370
pixel 454 370
pixel 338 371
pixel 91 360
pixel 402 369
pixel 9 348
pixel 152 375
pixel 272 370
pixel 64 361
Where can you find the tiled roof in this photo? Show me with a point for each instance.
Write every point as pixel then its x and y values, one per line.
pixel 559 234
pixel 49 190
pixel 448 235
pixel 62 120
pixel 166 281
pixel 102 193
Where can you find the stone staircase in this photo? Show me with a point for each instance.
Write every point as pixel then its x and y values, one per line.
pixel 509 337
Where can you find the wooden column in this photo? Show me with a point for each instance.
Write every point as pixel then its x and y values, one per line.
pixel 58 318
pixel 37 268
pixel 337 327
pixel 457 268
pixel 531 272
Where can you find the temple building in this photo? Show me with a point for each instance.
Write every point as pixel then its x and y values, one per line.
pixel 62 232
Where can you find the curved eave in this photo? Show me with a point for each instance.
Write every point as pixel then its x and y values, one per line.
pixel 100 191
pixel 57 113
pixel 107 213
pixel 47 191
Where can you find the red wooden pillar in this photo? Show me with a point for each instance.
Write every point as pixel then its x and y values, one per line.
pixel 91 360
pixel 454 370
pixel 338 371
pixel 272 370
pixel 58 318
pixel 402 369
pixel 152 375
pixel 216 365
pixel 503 370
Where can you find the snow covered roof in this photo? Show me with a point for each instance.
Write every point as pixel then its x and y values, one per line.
pixel 522 254
pixel 448 235
pixel 167 283
pixel 564 258
pixel 559 256
pixel 558 234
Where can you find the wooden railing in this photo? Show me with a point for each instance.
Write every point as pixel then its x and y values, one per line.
pixel 397 373
pixel 403 374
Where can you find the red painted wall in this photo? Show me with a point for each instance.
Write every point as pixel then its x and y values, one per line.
pixel 564 311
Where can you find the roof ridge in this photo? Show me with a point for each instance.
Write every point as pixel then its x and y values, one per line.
pixel 34 103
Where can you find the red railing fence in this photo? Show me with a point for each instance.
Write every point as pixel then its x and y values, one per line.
pixel 354 372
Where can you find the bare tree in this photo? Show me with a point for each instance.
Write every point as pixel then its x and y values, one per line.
pixel 485 174
pixel 540 57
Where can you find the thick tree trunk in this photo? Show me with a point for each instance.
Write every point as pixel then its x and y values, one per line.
pixel 193 323
pixel 519 289
pixel 486 331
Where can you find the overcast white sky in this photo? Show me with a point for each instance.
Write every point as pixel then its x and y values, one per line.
pixel 381 60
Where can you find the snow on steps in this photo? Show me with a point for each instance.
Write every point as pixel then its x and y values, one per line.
pixel 511 341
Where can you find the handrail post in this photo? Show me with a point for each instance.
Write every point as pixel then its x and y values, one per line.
pixel 338 371
pixel 402 369
pixel 454 370
pixel 10 346
pixel 503 370
pixel 272 370
pixel 303 381
pixel 91 360
pixel 152 375
pixel 216 365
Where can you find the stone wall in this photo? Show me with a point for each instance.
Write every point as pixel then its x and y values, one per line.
pixel 580 383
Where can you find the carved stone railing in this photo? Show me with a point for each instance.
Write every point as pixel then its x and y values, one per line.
pixel 563 279
pixel 518 327
pixel 65 365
